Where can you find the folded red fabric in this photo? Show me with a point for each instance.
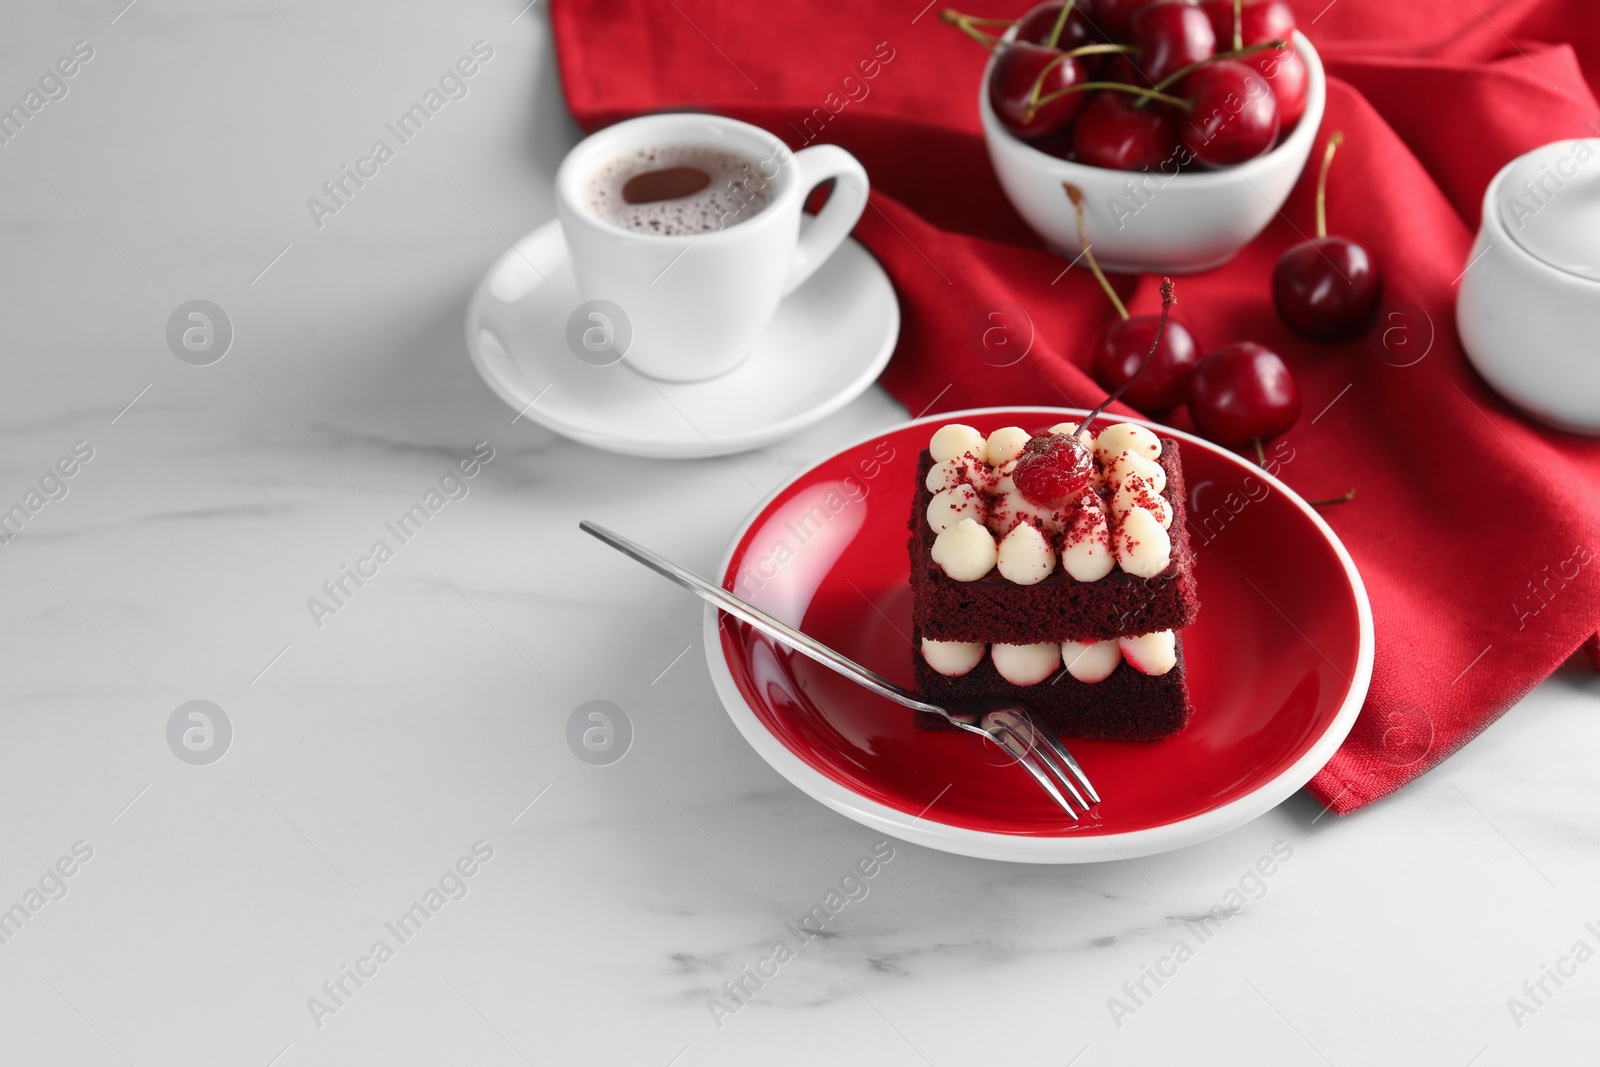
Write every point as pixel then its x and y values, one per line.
pixel 1474 528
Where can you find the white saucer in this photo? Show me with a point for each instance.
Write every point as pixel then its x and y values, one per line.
pixel 827 343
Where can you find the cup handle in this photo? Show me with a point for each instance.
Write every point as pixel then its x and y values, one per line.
pixel 838 216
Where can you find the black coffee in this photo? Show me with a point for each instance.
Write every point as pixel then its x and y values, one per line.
pixel 668 183
pixel 679 190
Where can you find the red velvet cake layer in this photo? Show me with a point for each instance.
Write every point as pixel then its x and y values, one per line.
pixel 1127 706
pixel 1060 608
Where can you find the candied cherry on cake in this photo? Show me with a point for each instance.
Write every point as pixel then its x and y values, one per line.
pixel 1052 469
pixel 1171 35
pixel 1243 392
pixel 1235 116
pixel 1151 374
pixel 1327 288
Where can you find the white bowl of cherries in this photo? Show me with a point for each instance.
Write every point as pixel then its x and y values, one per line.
pixel 1183 123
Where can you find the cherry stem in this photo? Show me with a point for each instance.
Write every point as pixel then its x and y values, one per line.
pixel 1076 196
pixel 966 25
pixel 1119 87
pixel 1183 72
pixel 1061 23
pixel 1034 103
pixel 1334 141
pixel 1104 49
pixel 1349 494
pixel 1168 298
pixel 1238 25
pixel 976 21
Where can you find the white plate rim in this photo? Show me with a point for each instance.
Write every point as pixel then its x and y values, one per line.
pixel 984 844
pixel 674 448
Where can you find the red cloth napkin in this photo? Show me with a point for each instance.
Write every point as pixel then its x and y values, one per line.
pixel 1469 519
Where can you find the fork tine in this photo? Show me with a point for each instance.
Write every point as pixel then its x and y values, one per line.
pixel 1065 757
pixel 1025 758
pixel 1024 754
pixel 1039 744
pixel 1050 758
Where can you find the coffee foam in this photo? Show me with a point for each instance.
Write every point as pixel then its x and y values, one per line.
pixel 736 191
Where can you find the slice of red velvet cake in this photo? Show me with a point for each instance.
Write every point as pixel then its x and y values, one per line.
pixel 1070 607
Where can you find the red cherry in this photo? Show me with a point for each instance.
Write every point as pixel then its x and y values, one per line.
pixel 1243 392
pixel 1171 35
pixel 1165 382
pixel 1052 469
pixel 1326 289
pixel 1114 18
pixel 1287 76
pixel 1235 115
pixel 1112 133
pixel 1040 22
pixel 1121 69
pixel 1263 20
pixel 1011 89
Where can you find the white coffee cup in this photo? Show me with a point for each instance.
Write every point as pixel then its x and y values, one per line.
pixel 1529 300
pixel 695 305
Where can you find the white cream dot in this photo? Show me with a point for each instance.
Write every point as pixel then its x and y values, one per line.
pixel 950 506
pixel 1135 492
pixel 1126 437
pixel 1088 558
pixel 1143 547
pixel 1129 462
pixel 1091 661
pixel 1005 445
pixel 952 658
pixel 966 551
pixel 955 440
pixel 1155 653
pixel 1026 664
pixel 1025 557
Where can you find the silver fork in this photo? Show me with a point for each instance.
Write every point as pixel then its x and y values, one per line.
pixel 1003 723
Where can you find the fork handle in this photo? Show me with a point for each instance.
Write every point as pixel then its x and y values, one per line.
pixel 742 609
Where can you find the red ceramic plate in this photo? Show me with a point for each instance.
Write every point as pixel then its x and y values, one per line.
pixel 1278 662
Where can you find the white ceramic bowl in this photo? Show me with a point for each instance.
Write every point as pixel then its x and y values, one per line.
pixel 1145 221
pixel 1527 323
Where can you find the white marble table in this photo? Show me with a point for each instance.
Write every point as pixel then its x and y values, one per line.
pixel 429 712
